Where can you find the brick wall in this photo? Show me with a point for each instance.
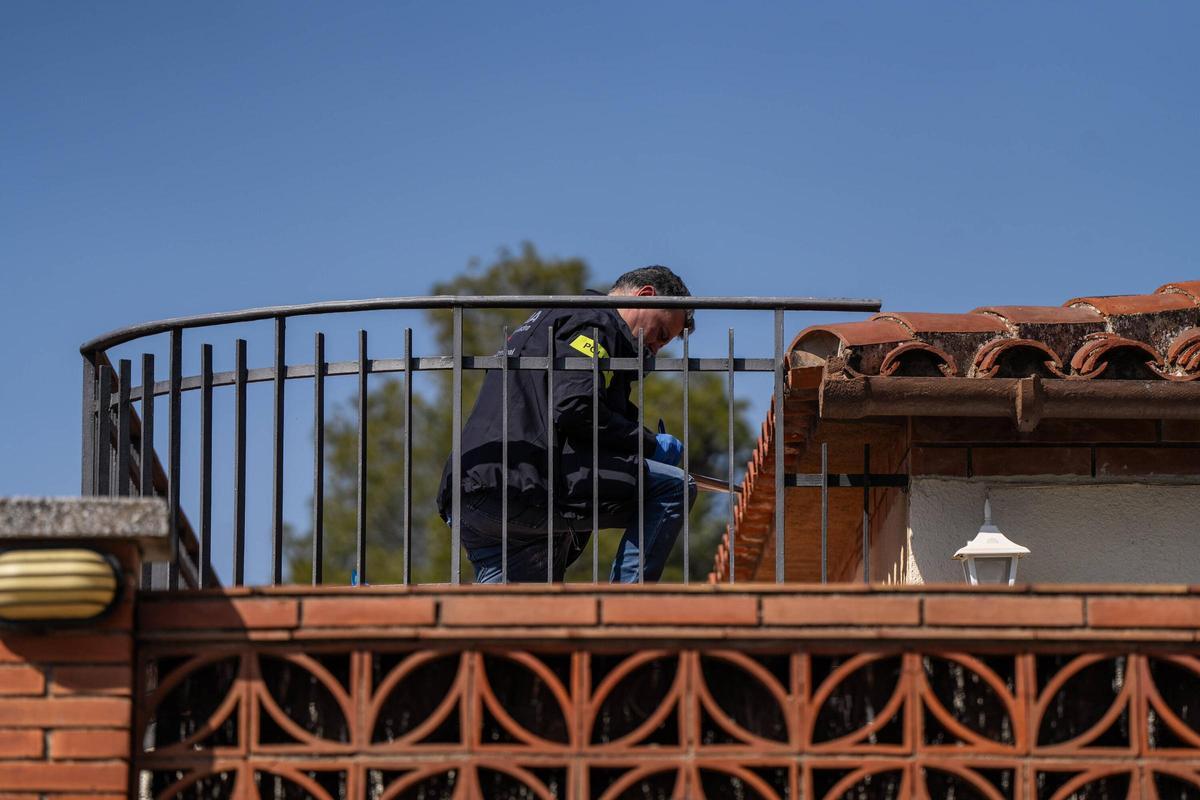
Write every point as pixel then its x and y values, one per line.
pixel 65 705
pixel 458 691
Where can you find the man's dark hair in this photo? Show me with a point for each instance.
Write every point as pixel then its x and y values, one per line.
pixel 664 281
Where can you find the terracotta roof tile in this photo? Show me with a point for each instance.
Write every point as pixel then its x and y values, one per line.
pixel 1154 319
pixel 1186 348
pixel 1126 358
pixel 1056 330
pixel 900 359
pixel 855 334
pixel 1042 315
pixel 862 344
pixel 1189 288
pixel 997 358
pixel 923 322
pixel 1123 305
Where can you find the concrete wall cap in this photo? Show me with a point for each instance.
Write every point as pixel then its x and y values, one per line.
pixel 141 520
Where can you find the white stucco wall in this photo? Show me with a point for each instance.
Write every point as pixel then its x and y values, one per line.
pixel 1093 533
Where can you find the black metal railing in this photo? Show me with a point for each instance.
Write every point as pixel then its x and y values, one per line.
pixel 118 456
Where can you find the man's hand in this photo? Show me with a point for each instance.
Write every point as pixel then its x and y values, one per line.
pixel 669 449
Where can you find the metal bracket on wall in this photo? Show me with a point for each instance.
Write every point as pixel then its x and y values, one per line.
pixel 842 480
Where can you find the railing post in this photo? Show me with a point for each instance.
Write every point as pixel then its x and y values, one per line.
pixel 87 443
pixel 456 449
pixel 408 416
pixel 686 463
pixel 124 412
pixel 550 453
pixel 504 456
pixel 360 530
pixel 731 497
pixel 641 382
pixel 206 389
pixel 318 510
pixel 781 375
pixel 104 432
pixel 174 458
pixel 824 512
pixel 146 451
pixel 277 453
pixel 239 462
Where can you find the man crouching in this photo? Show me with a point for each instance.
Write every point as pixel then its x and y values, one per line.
pixel 618 435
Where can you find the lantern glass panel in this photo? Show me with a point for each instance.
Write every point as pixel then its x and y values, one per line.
pixel 994 570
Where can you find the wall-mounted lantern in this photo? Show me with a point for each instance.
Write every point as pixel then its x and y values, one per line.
pixel 56 585
pixel 991 557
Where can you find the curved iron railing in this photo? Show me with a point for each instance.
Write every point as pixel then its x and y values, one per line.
pixel 118 458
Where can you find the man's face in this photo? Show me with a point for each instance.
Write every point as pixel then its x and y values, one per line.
pixel 659 325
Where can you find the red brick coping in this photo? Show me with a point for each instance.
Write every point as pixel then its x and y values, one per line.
pixel 1167 614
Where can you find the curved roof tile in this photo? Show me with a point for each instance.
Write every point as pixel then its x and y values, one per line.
pixel 925 322
pixel 1189 288
pixel 855 334
pixel 1042 315
pixel 1122 305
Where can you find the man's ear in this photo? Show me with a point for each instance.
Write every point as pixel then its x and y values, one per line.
pixel 646 291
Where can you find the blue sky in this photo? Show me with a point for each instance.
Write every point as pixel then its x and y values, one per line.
pixel 165 159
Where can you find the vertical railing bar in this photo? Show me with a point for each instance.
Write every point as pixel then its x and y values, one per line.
pixel 146 443
pixel 456 448
pixel 206 393
pixel 318 511
pixel 407 511
pixel 641 382
pixel 504 455
pixel 595 455
pixel 824 512
pixel 361 515
pixel 146 448
pixel 731 498
pixel 104 433
pixel 550 453
pixel 239 462
pixel 687 544
pixel 866 526
pixel 87 454
pixel 781 372
pixel 124 389
pixel 175 451
pixel 277 470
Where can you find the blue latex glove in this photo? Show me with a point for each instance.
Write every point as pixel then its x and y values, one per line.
pixel 669 449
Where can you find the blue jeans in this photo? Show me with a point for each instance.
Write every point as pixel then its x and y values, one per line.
pixel 527 533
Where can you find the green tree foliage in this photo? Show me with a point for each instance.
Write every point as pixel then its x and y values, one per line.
pixel 525 272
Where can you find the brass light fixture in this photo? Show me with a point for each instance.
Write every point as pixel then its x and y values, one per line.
pixel 56 585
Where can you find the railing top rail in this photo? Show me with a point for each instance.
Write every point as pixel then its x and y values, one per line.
pixel 131 332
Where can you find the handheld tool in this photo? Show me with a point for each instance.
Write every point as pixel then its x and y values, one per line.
pixel 703 482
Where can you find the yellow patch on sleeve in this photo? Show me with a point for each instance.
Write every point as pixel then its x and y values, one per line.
pixel 590 348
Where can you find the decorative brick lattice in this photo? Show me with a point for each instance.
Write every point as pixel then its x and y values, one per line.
pixel 619 720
